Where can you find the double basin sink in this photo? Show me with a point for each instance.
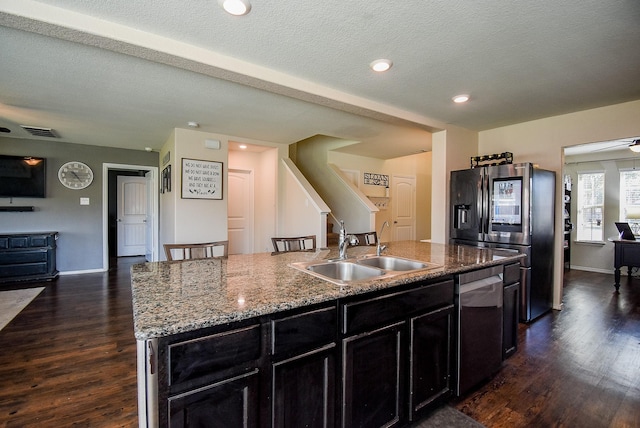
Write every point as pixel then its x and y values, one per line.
pixel 342 272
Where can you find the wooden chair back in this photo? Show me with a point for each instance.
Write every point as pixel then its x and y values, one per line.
pixel 299 243
pixel 369 238
pixel 196 251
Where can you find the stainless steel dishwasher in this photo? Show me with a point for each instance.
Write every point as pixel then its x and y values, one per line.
pixel 479 295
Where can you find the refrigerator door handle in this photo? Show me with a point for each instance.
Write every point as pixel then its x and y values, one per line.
pixel 484 224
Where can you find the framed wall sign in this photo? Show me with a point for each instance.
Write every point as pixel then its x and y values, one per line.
pixel 201 179
pixel 376 179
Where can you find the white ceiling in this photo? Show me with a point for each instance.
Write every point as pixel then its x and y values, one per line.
pixel 124 73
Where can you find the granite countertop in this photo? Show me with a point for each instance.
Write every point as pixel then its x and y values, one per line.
pixel 180 296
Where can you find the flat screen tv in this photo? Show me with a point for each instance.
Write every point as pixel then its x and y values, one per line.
pixel 22 177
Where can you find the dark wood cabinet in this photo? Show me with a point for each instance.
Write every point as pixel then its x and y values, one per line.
pixel 230 403
pixel 304 390
pixel 303 370
pixel 375 360
pixel 211 377
pixel 28 257
pixel 397 349
pixel 510 309
pixel 431 359
pixel 372 383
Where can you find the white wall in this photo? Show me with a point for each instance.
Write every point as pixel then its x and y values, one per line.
pixel 418 165
pixel 199 220
pixel 542 142
pixel 452 150
pixel 311 158
pixel 304 212
pixel 595 257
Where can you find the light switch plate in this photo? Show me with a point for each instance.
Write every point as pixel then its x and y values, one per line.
pixel 84 201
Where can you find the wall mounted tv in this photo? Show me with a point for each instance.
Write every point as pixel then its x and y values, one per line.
pixel 22 177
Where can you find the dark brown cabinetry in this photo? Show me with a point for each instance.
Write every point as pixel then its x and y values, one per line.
pixel 303 369
pixel 381 359
pixel 510 312
pixel 431 359
pixel 210 378
pixel 397 351
pixel 229 403
pixel 373 378
pixel 28 257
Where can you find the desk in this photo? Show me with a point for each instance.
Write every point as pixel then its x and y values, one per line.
pixel 627 253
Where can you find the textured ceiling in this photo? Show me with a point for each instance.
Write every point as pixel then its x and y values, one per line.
pixel 124 73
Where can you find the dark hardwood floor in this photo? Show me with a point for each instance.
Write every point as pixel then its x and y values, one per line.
pixel 69 359
pixel 579 367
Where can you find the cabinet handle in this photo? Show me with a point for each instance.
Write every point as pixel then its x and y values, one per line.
pixel 152 358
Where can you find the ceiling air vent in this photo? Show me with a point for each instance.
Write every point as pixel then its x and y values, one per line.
pixel 40 132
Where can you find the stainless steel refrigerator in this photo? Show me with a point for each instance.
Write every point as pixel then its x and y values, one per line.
pixel 511 207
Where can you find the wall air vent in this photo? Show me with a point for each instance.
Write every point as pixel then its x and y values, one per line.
pixel 40 132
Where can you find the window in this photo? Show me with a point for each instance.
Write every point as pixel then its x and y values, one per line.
pixel 630 199
pixel 590 206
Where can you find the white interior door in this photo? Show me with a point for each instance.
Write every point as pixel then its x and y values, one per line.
pixel 403 205
pixel 132 216
pixel 240 211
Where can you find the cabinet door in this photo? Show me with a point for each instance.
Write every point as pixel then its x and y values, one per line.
pixel 230 403
pixel 510 317
pixel 430 362
pixel 304 390
pixel 372 379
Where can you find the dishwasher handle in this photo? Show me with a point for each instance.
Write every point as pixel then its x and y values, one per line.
pixel 480 274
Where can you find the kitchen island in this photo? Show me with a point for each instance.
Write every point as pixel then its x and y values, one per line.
pixel 251 341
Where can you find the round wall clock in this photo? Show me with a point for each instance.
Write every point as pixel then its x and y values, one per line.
pixel 75 175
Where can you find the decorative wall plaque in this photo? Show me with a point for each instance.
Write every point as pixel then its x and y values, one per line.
pixel 376 179
pixel 201 179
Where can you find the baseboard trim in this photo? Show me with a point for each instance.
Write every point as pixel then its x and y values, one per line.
pixel 591 269
pixel 81 272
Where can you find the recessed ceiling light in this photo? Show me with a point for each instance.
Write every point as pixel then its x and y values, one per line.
pixel 235 7
pixel 462 98
pixel 243 146
pixel 381 65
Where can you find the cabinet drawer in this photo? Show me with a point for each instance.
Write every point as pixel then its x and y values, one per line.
pixel 630 255
pixel 23 269
pixel 20 256
pixel 18 242
pixel 511 273
pixel 41 241
pixel 203 357
pixel 366 314
pixel 304 331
